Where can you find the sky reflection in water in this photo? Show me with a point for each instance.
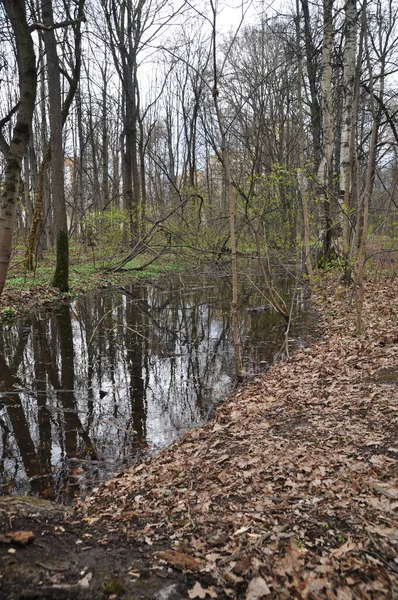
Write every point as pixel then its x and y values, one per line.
pixel 96 385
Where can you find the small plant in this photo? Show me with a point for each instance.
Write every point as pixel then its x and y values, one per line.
pixel 114 588
pixel 8 314
pixel 334 261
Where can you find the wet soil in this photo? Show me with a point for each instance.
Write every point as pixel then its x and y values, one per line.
pixel 70 559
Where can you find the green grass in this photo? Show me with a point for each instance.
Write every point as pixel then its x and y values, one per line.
pixel 33 290
pixel 156 269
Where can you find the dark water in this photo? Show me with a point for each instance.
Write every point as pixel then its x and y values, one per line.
pixel 96 385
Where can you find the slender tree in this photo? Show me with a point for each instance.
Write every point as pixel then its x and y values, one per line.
pixel 303 188
pixel 325 172
pixel 230 191
pixel 26 60
pixel 348 123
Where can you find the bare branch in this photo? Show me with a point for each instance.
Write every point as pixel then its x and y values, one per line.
pixel 42 27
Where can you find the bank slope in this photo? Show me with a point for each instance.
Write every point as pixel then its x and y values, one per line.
pixel 292 489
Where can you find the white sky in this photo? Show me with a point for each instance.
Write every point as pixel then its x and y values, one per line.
pixel 232 11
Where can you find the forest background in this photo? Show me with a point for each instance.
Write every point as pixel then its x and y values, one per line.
pixel 131 130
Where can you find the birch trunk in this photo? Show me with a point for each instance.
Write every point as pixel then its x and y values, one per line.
pixel 348 124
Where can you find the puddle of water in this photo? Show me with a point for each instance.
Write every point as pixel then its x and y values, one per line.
pixel 97 385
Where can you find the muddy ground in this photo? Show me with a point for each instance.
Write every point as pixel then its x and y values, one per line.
pixel 69 559
pixel 291 491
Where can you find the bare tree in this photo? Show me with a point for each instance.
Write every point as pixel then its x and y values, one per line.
pixel 58 116
pixel 127 23
pixel 226 162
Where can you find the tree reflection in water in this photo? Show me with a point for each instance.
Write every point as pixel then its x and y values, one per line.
pixel 92 387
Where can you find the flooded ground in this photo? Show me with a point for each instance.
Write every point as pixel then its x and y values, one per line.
pixel 98 384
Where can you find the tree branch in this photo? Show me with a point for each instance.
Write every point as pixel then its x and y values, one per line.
pixel 42 27
pixel 384 108
pixel 7 118
pixel 4 146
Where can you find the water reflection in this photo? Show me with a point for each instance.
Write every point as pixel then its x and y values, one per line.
pixel 95 385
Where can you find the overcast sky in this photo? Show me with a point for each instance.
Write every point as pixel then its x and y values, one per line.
pixel 232 11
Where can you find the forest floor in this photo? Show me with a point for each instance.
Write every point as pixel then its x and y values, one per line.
pixel 291 491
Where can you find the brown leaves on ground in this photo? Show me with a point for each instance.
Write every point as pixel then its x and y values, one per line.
pixel 19 538
pixel 292 490
pixel 179 560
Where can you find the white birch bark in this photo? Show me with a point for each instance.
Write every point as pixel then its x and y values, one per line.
pixel 347 139
pixel 326 165
pixel 327 98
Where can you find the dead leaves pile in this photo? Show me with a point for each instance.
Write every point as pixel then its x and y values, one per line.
pixel 292 490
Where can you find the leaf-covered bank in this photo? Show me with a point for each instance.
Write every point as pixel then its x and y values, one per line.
pixel 291 491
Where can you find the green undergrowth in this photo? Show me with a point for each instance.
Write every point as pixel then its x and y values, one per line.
pixel 25 291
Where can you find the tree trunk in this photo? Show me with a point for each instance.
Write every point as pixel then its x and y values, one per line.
pixel 325 172
pixel 230 198
pixel 311 52
pixel 128 151
pixel 105 143
pixel 360 249
pixel 303 188
pixel 61 274
pixel 15 10
pixel 31 245
pixel 348 124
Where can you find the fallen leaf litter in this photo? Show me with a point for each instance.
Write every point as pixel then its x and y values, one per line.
pixel 292 489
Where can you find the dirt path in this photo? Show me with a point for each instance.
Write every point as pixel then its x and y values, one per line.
pixel 290 492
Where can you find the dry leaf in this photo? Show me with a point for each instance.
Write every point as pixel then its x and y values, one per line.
pixel 389 492
pixel 185 562
pixel 344 593
pixel 241 530
pixel 19 538
pixel 198 592
pixel 85 582
pixel 257 589
pixel 348 546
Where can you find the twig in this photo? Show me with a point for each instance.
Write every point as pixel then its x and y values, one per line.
pixel 50 568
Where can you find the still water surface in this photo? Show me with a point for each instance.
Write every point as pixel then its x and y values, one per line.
pixel 98 384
